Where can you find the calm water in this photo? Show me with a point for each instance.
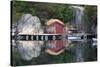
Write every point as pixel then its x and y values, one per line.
pixel 73 52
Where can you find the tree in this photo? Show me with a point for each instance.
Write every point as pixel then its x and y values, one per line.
pixel 90 17
pixel 64 13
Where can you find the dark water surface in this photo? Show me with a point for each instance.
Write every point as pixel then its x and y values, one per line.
pixel 74 52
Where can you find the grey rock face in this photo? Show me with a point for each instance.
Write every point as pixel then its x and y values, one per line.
pixel 29 24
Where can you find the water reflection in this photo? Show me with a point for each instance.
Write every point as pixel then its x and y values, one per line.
pixel 75 52
pixel 50 51
pixel 30 25
pixel 28 50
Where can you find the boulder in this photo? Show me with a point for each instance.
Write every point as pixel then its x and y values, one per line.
pixel 29 25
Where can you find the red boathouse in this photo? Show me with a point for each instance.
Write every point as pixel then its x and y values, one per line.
pixel 55 26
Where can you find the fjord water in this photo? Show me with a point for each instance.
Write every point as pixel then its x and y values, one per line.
pixel 33 52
